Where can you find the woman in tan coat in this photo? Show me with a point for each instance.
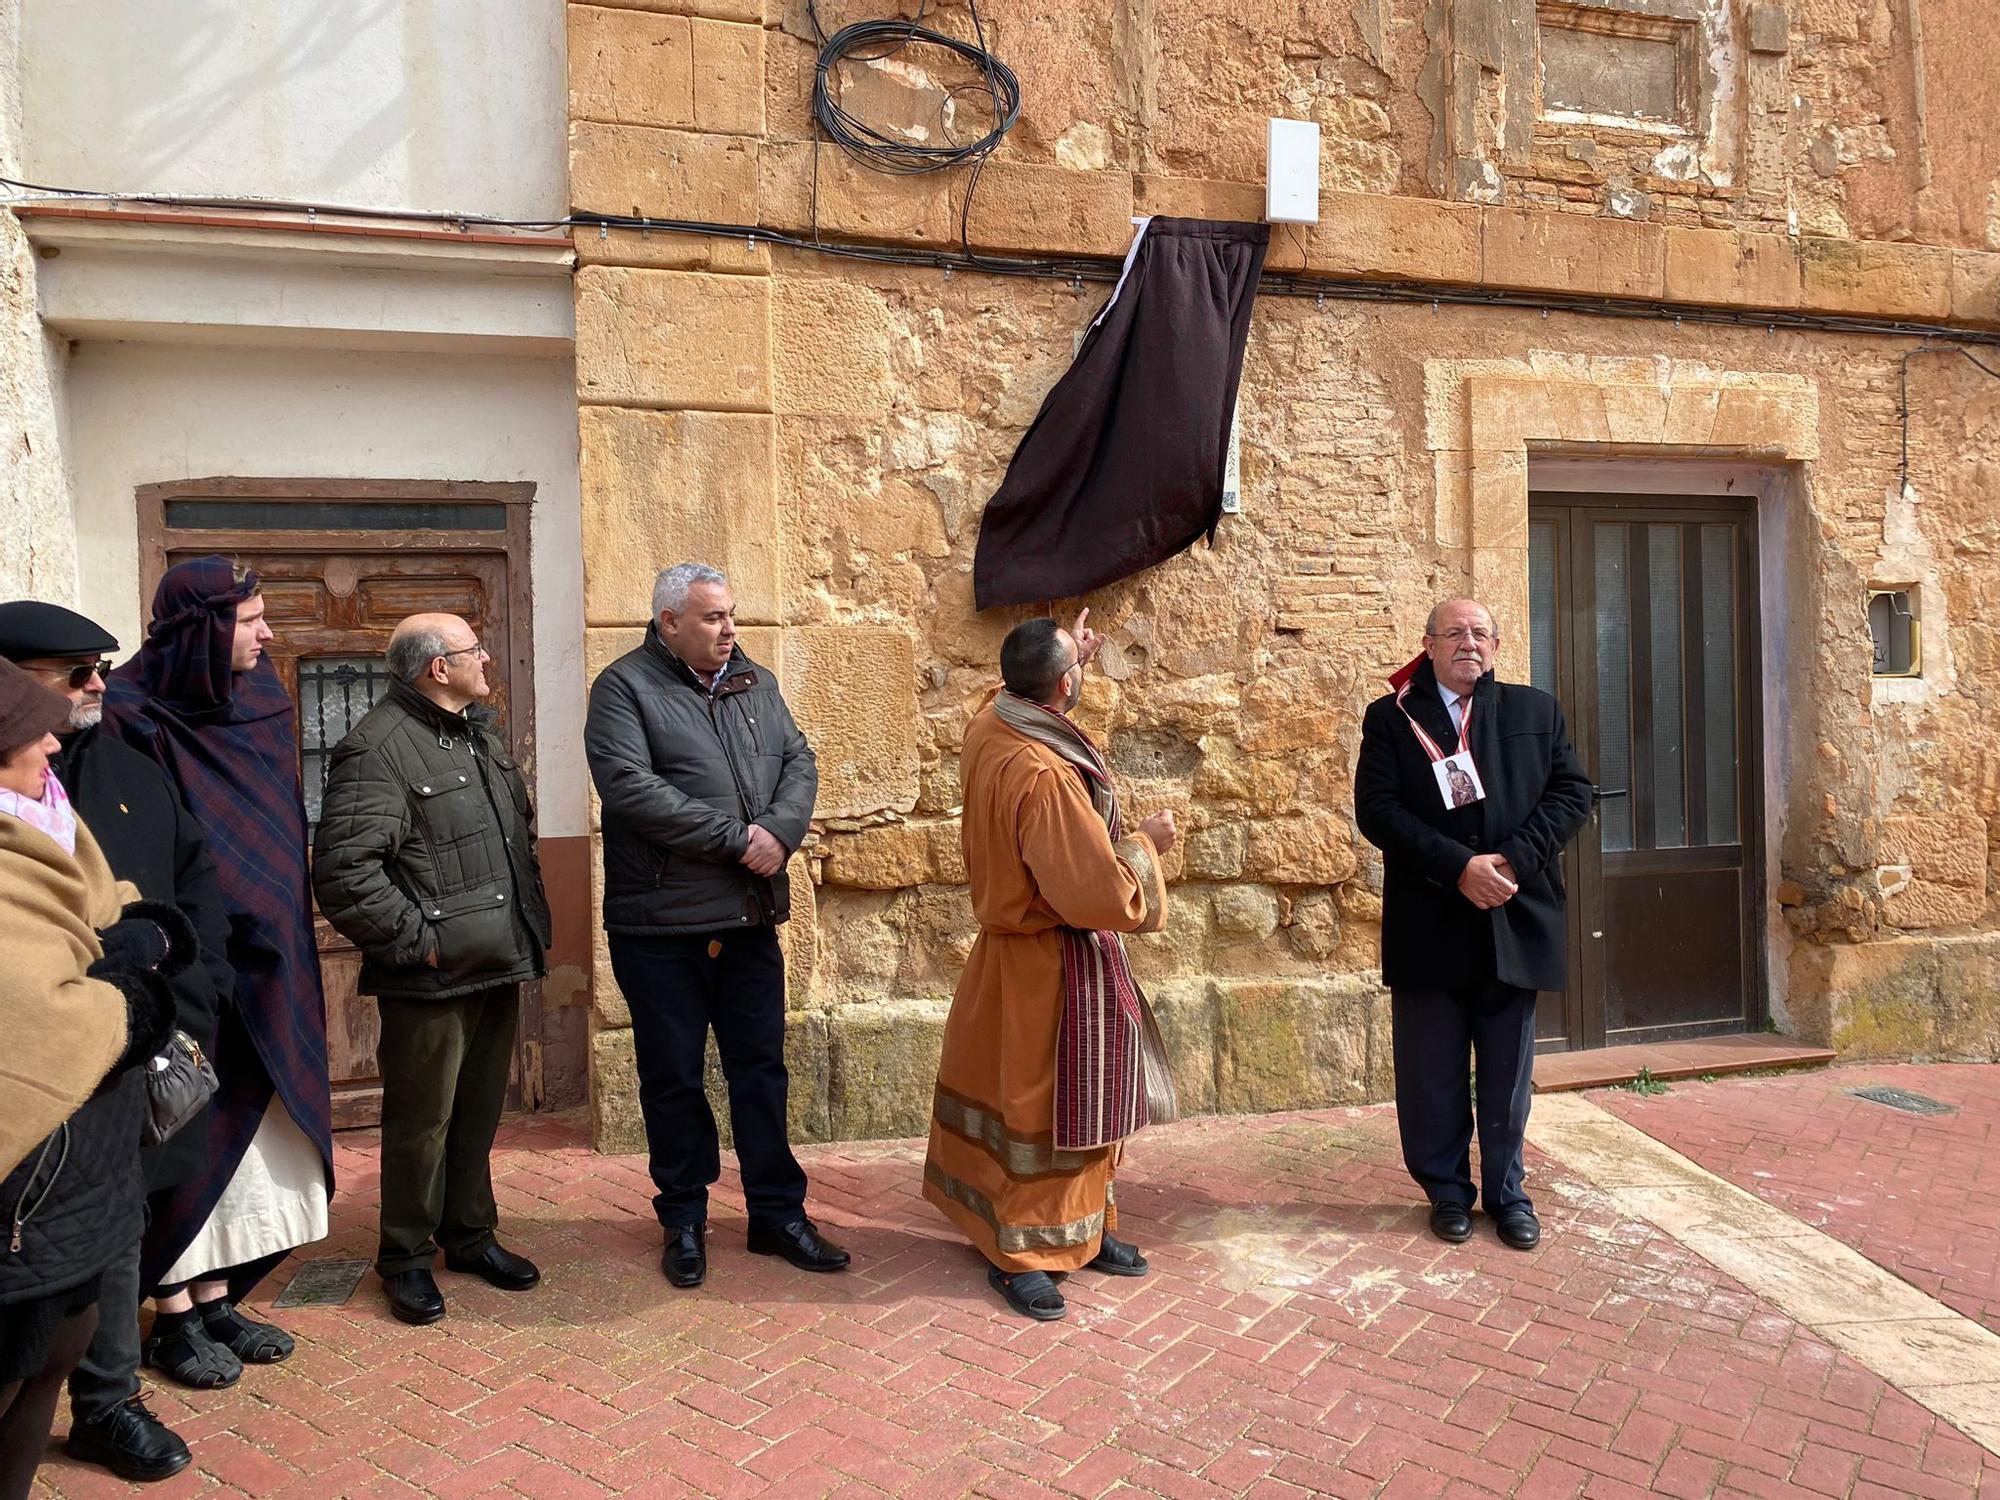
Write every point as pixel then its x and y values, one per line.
pixel 82 999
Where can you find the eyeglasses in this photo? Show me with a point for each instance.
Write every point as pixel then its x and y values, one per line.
pixel 475 646
pixel 77 677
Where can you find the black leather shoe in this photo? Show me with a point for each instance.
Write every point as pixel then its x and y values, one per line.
pixel 497 1267
pixel 1451 1222
pixel 686 1259
pixel 130 1441
pixel 1519 1228
pixel 414 1296
pixel 800 1243
pixel 1117 1258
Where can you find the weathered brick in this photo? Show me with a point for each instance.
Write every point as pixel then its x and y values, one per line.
pixel 673 339
pixel 665 486
pixel 663 174
pixel 631 67
pixel 853 689
pixel 728 76
pixel 1056 210
pixel 1875 278
pixel 1560 252
pixel 1723 268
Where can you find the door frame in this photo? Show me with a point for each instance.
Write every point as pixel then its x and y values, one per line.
pixel 509 541
pixel 1759 492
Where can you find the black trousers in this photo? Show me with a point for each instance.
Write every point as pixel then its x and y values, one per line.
pixel 1438 1034
pixel 108 1373
pixel 677 988
pixel 444 1082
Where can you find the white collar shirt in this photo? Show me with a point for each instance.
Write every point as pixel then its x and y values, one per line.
pixel 1453 705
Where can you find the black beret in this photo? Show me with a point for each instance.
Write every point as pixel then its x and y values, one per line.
pixel 30 629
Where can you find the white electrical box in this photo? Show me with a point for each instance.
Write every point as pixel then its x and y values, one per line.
pixel 1291 172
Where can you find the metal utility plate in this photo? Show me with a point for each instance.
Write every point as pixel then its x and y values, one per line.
pixel 322 1283
pixel 1903 1099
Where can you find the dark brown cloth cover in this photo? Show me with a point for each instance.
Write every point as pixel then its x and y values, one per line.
pixel 1123 465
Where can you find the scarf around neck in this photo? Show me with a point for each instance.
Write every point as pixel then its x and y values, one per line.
pixel 1058 732
pixel 53 814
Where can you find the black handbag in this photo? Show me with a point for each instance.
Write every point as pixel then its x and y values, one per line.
pixel 180 1081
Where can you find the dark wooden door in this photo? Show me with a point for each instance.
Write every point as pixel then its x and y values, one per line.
pixel 1643 622
pixel 331 614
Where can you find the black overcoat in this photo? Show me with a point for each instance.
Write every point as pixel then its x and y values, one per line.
pixel 150 838
pixel 1537 797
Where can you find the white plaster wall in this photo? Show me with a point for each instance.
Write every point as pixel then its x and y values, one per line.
pixel 145 412
pixel 456 105
pixel 37 542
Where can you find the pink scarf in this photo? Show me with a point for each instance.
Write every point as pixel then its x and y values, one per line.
pixel 52 815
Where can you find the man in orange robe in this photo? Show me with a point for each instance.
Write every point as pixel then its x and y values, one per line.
pixel 1052 887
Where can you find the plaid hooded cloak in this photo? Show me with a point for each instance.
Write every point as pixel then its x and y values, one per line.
pixel 229 742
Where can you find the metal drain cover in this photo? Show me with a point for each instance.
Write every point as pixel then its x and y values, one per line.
pixel 322 1283
pixel 1903 1099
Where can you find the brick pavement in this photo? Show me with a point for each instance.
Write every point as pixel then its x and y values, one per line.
pixel 1917 1194
pixel 1301 1334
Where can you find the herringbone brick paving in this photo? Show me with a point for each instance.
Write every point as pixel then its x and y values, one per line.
pixel 1301 1334
pixel 1917 1194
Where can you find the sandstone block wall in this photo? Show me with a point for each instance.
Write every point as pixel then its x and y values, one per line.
pixel 829 431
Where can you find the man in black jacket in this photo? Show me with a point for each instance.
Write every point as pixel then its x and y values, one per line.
pixel 1470 788
pixel 149 838
pixel 424 859
pixel 708 789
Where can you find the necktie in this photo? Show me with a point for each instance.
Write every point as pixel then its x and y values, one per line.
pixel 1457 707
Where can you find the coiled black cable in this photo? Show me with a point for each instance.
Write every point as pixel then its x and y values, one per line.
pixel 895 154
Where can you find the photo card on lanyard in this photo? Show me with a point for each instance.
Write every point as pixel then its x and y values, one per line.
pixel 1457 776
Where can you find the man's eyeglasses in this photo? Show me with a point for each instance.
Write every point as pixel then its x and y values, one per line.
pixel 79 676
pixel 448 655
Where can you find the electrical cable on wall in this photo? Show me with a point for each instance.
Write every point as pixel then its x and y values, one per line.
pixel 895 154
pixel 1074 270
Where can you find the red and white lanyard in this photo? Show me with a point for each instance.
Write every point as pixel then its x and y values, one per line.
pixel 1430 745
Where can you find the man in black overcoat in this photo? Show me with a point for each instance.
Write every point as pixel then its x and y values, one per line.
pixel 150 839
pixel 1472 906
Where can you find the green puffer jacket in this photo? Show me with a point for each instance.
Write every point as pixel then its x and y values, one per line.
pixel 425 847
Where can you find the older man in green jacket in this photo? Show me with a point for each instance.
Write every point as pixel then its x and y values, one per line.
pixel 425 860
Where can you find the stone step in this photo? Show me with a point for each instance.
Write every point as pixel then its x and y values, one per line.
pixel 1558 1072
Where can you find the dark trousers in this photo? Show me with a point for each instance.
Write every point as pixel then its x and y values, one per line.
pixel 28 1407
pixel 444 1080
pixel 1437 1033
pixel 677 988
pixel 108 1373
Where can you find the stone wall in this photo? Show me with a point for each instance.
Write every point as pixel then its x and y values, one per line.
pixel 37 537
pixel 829 431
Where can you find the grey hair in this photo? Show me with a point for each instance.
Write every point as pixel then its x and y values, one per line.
pixel 410 655
pixel 670 589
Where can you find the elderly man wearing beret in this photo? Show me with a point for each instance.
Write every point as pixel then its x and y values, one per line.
pixel 148 838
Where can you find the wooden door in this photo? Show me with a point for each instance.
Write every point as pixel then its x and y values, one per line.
pixel 331 614
pixel 1643 622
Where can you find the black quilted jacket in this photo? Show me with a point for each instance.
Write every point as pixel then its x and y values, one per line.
pixel 683 772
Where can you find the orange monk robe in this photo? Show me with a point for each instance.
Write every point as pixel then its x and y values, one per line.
pixel 1039 859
